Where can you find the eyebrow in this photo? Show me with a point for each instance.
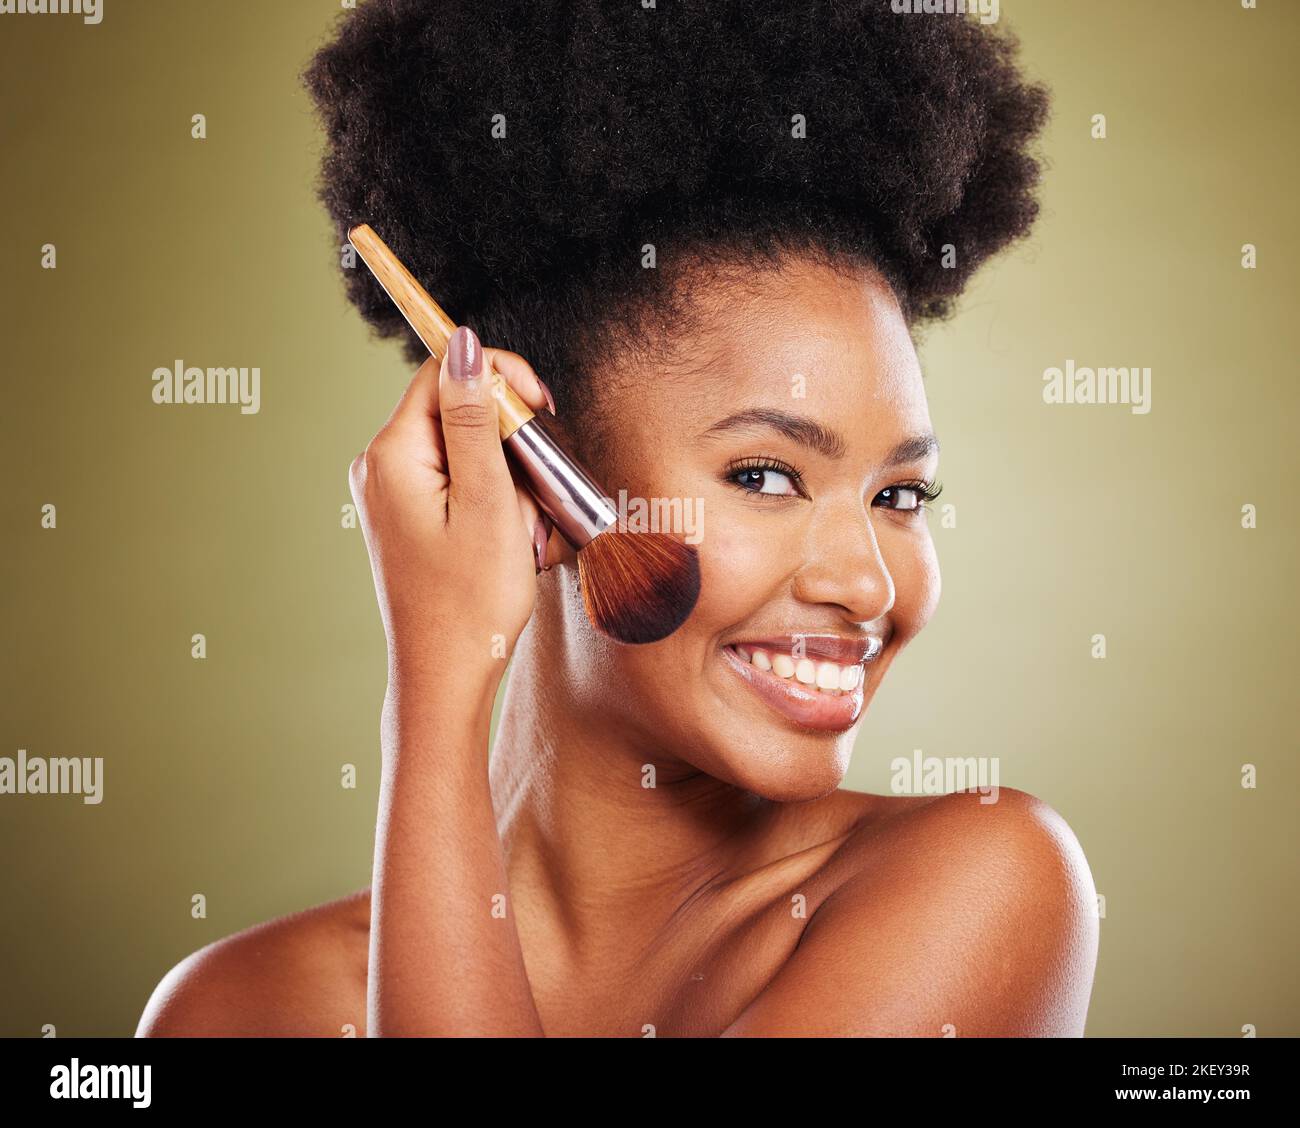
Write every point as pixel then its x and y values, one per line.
pixel 810 433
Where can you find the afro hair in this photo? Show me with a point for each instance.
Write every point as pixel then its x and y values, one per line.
pixel 520 155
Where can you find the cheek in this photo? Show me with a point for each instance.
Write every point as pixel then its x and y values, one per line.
pixel 739 565
pixel 915 570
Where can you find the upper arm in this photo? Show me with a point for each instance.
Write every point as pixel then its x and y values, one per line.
pixel 962 918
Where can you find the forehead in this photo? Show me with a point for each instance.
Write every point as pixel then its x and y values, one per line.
pixel 803 337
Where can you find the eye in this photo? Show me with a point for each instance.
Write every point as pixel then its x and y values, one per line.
pixel 766 476
pixel 900 497
pixel 764 481
pixel 909 496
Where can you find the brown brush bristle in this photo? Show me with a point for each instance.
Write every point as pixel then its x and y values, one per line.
pixel 638 587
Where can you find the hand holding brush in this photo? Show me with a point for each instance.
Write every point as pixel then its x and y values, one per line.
pixel 637 586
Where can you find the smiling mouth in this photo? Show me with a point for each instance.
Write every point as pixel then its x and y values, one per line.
pixel 824 676
pixel 814 692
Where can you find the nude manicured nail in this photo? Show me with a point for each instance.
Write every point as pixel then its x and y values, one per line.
pixel 540 538
pixel 464 354
pixel 550 399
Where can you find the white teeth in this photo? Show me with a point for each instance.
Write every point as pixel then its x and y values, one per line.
pixel 827 677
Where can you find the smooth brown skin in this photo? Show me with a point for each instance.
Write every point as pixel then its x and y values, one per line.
pixel 673 907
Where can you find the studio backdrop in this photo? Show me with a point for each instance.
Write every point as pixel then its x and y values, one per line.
pixel 189 609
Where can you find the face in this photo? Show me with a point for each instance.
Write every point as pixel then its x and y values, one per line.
pixel 794 430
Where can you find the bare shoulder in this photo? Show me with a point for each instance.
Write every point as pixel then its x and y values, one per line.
pixel 1000 891
pixel 1009 834
pixel 303 974
pixel 948 915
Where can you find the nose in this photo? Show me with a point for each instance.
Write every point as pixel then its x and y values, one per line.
pixel 843 564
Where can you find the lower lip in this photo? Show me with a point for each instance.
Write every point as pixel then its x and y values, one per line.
pixel 799 703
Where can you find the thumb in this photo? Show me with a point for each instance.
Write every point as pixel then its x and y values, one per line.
pixel 476 462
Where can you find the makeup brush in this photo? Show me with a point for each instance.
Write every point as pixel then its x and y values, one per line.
pixel 636 586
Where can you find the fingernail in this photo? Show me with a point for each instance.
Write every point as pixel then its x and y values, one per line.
pixel 539 542
pixel 464 354
pixel 550 399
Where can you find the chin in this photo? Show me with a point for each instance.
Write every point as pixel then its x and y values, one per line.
pixel 794 772
pixel 776 737
pixel 776 760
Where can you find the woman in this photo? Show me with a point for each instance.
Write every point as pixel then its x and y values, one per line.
pixel 714 230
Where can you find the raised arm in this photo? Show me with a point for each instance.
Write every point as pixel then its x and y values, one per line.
pixel 454 571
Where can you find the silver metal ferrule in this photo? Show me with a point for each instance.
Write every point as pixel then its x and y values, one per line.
pixel 579 508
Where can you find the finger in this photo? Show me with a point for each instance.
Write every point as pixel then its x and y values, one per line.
pixel 521 376
pixel 533 391
pixel 419 403
pixel 548 556
pixel 467 408
pixel 558 549
pixel 537 524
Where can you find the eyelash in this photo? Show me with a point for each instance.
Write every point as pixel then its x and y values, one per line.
pixel 927 492
pixel 749 465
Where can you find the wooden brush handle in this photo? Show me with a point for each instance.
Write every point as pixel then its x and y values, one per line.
pixel 430 322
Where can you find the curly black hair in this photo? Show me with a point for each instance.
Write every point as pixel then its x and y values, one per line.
pixel 520 155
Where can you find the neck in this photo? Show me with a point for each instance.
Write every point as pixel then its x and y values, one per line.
pixel 587 840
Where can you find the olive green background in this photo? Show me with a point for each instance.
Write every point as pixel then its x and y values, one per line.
pixel 222 776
